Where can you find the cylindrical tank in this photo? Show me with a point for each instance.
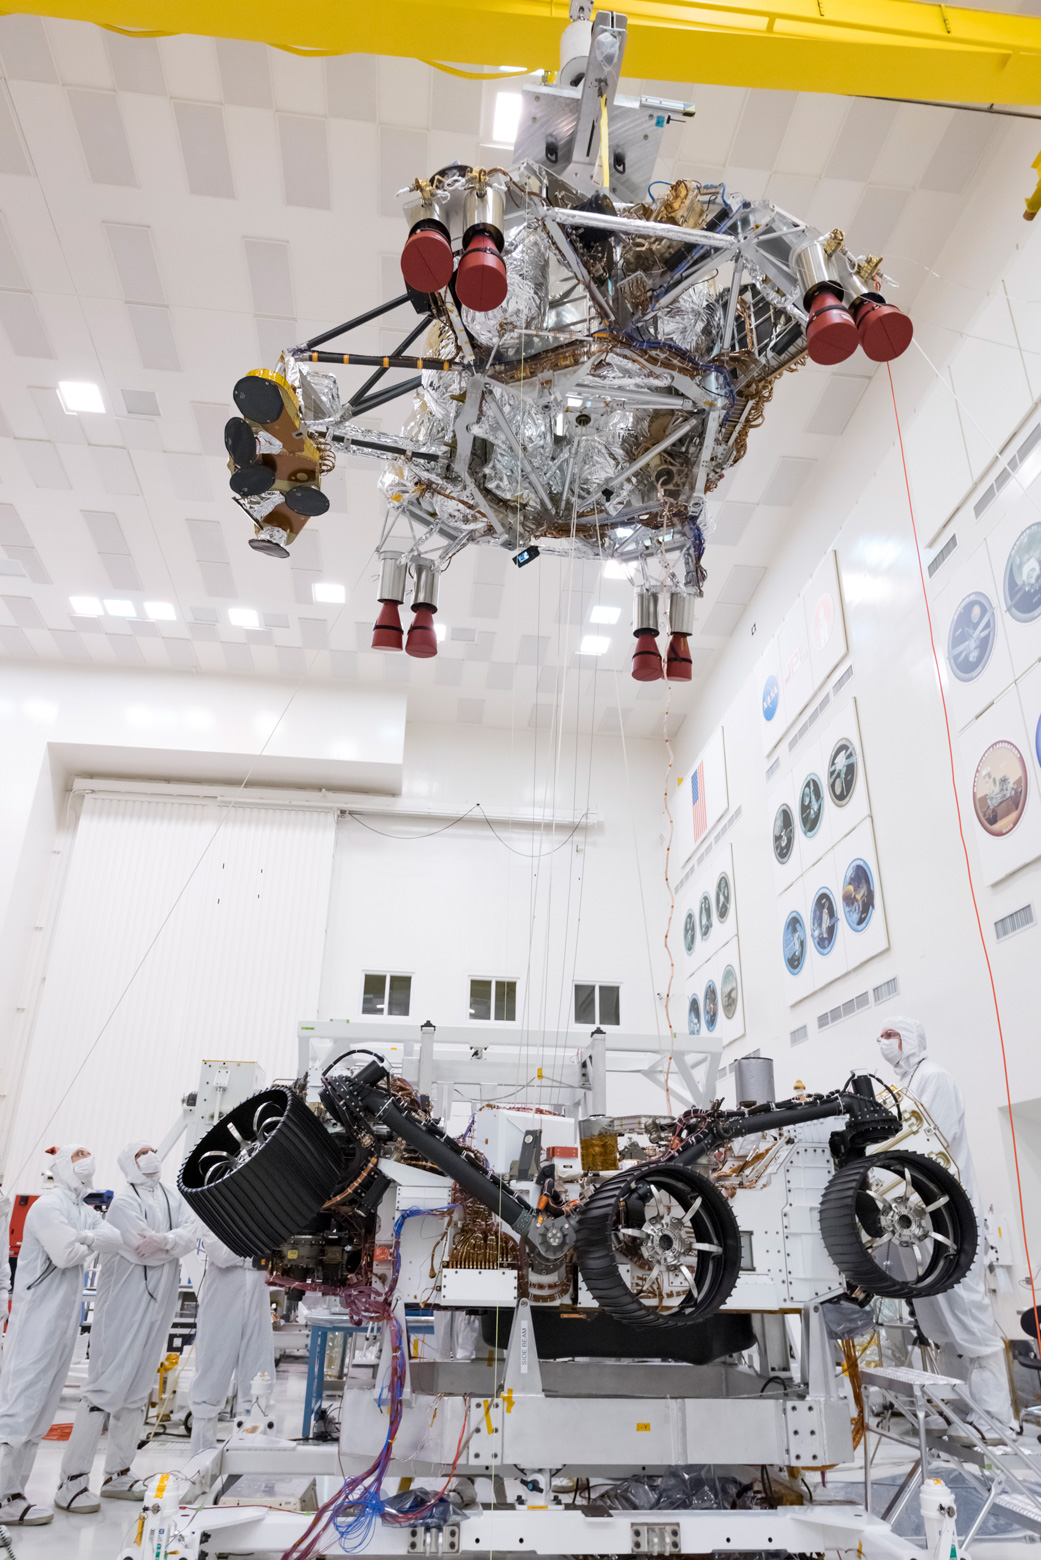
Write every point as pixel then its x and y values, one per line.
pixel 645 611
pixel 813 268
pixel 483 209
pixel 681 612
pixel 424 591
pixel 754 1080
pixel 392 578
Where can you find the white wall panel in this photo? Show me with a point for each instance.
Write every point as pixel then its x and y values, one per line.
pixel 235 966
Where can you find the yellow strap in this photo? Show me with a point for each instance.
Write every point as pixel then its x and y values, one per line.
pixel 487 1416
pixel 478 75
pixel 605 167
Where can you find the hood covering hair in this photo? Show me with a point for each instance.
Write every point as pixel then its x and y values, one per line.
pixel 912 1034
pixel 64 1171
pixel 127 1161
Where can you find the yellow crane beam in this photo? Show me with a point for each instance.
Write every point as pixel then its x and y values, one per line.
pixel 869 48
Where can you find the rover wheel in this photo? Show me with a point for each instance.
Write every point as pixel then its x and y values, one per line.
pixel 262 1173
pixel 658 1247
pixel 898 1225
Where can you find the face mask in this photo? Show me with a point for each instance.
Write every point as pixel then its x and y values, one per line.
pixel 84 1170
pixel 149 1164
pixel 891 1051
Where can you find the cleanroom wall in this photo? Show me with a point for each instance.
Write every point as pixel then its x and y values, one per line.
pixel 979 323
pixel 455 905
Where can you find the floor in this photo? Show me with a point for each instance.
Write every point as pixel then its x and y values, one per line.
pixel 104 1535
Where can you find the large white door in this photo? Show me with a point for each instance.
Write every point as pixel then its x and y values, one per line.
pixel 235 966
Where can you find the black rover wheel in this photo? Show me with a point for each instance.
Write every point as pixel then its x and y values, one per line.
pixel 658 1247
pixel 898 1225
pixel 262 1173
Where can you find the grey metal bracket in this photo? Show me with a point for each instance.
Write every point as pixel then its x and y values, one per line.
pixel 655 1538
pixel 434 1540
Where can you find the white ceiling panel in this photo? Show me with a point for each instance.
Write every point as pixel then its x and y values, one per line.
pixel 102 136
pixel 24 49
pixel 761 128
pixel 244 73
pixel 956 158
pixel 115 470
pixel 351 86
pixel 23 611
pixel 270 276
pixel 404 92
pixel 188 478
pixel 23 326
pixel 12 275
pixel 105 531
pixel 133 255
pixel 299 83
pixel 400 151
pixel 154 335
pixel 136 63
pixel 786 480
pixel 13 642
pixel 730 521
pixel 863 131
pixel 838 401
pixel 43 463
pixel 204 148
pixel 12 153
pixel 740 584
pixel 218 580
pixel 876 216
pixel 79 53
pixel 814 125
pixel 305 161
pixel 208 543
pixel 722 620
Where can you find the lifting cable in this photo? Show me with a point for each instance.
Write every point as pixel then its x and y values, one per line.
pixel 965 853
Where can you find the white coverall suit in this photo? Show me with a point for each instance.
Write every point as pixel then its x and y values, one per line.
pixel 233 1338
pixel 62 1232
pixel 961 1322
pixel 133 1308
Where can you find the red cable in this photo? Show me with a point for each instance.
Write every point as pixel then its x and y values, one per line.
pixel 965 853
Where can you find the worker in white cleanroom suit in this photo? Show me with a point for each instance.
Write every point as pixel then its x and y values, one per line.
pixel 960 1322
pixel 233 1338
pixel 62 1232
pixel 134 1304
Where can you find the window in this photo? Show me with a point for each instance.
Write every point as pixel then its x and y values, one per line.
pixel 386 996
pixel 496 998
pixel 596 1005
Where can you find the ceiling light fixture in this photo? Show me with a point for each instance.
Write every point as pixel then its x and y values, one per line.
pixel 327 594
pixel 506 117
pixel 161 611
pixel 594 644
pixel 613 570
pixel 441 631
pixel 86 606
pixel 79 395
pixel 603 614
pixel 243 617
pixel 123 609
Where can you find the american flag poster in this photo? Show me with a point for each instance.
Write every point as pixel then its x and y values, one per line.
pixel 698 802
pixel 703 796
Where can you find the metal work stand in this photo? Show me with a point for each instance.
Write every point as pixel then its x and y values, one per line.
pixel 316 1353
pixel 1007 1473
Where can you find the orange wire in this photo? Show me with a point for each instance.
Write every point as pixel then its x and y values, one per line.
pixel 672 899
pixel 965 853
